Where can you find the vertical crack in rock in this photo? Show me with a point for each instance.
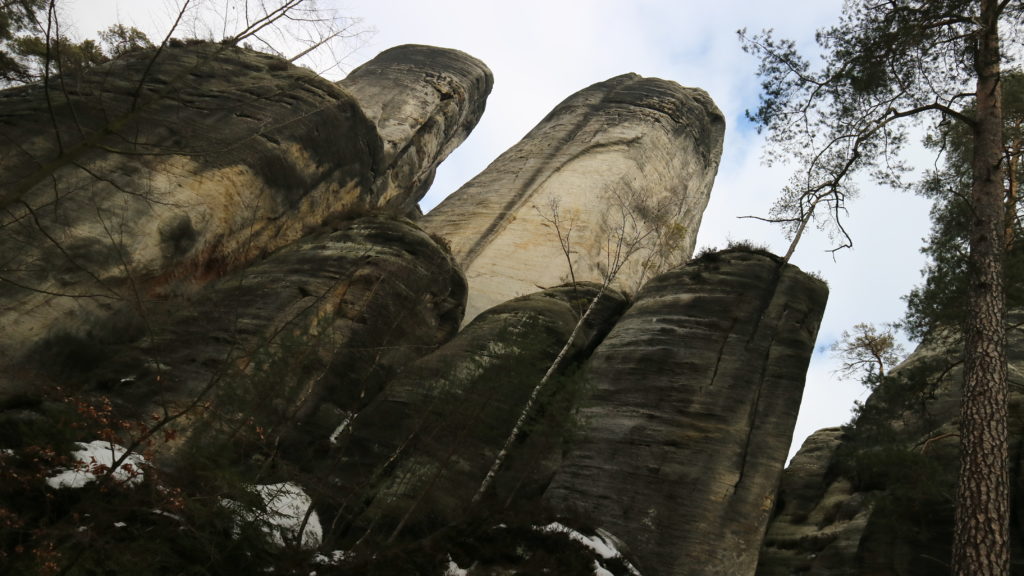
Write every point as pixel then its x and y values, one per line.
pixel 439 424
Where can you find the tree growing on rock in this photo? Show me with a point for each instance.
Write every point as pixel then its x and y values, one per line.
pixel 885 63
pixel 867 351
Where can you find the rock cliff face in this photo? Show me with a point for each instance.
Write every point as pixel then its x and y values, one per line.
pixel 134 190
pixel 876 497
pixel 211 261
pixel 694 396
pixel 617 160
pixel 441 423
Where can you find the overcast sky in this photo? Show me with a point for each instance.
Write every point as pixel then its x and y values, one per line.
pixel 543 51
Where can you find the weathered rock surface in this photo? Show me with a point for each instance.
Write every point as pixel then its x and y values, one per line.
pixel 630 154
pixel 194 166
pixel 206 258
pixel 879 497
pixel 424 102
pixel 694 395
pixel 419 452
pixel 317 327
pixel 818 522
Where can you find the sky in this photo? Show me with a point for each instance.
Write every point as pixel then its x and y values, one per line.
pixel 543 51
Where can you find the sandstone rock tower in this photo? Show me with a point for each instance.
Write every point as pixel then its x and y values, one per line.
pixel 622 157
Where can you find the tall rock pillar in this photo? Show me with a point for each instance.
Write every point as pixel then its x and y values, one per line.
pixel 694 395
pixel 630 158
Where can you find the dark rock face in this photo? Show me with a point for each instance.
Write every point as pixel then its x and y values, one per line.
pixel 694 397
pixel 328 319
pixel 137 192
pixel 401 87
pixel 312 332
pixel 878 498
pixel 623 149
pixel 425 444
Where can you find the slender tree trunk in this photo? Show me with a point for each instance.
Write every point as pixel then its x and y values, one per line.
pixel 499 460
pixel 981 531
pixel 1012 191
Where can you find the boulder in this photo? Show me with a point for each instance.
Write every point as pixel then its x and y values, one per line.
pixel 419 452
pixel 316 327
pixel 885 504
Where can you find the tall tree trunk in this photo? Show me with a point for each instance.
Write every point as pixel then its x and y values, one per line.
pixel 981 532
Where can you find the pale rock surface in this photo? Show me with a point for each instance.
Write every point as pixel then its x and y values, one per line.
pixel 693 399
pixel 424 101
pixel 620 154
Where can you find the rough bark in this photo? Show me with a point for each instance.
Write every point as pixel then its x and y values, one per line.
pixel 981 532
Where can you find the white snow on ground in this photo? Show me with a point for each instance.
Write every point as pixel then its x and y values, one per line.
pixel 334 559
pixel 286 506
pixel 602 544
pixel 453 569
pixel 93 460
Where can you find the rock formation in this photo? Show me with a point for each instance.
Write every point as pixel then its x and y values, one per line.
pixel 630 160
pixel 215 259
pixel 877 496
pixel 424 102
pixel 694 396
pixel 440 424
pixel 133 191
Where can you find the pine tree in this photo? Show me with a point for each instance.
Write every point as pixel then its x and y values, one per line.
pixel 939 301
pixel 885 62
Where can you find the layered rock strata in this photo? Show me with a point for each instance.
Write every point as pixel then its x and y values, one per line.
pixel 191 162
pixel 694 395
pixel 628 162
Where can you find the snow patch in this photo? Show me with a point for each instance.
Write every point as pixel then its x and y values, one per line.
pixel 603 544
pixel 341 428
pixel 286 506
pixel 333 559
pixel 453 569
pixel 93 460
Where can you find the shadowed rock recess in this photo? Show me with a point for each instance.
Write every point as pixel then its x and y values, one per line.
pixel 215 259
